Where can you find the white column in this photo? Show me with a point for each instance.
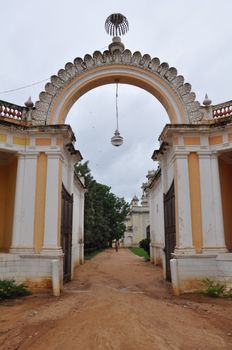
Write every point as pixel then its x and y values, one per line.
pixel 219 225
pixel 182 200
pixel 81 214
pixel 24 208
pixel 53 199
pixel 207 205
pixel 70 184
pixel 163 165
pixel 151 253
pixel 212 217
pixel 151 215
pixel 81 219
pixel 75 223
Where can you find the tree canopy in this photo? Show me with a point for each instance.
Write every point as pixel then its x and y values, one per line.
pixel 105 213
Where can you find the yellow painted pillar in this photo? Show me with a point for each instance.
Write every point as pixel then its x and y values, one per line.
pixel 40 198
pixel 195 200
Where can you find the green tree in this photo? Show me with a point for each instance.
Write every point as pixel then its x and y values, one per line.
pixel 105 213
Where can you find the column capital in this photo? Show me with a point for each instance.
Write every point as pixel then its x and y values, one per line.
pixel 27 155
pixel 214 155
pixel 179 154
pixel 204 154
pixel 54 155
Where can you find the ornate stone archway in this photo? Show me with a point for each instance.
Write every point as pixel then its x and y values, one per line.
pixel 116 65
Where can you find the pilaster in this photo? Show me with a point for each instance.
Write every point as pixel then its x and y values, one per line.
pixel 182 205
pixel 24 209
pixel 212 218
pixel 53 204
pixel 82 205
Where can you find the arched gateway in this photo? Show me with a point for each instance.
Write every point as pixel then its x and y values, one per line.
pixel 190 194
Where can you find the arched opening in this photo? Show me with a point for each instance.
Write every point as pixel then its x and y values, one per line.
pixel 75 90
pixel 141 120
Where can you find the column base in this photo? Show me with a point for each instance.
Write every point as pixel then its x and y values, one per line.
pixel 190 271
pixel 185 251
pixel 214 250
pixel 22 250
pixel 52 251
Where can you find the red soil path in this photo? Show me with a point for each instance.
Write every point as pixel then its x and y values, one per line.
pixel 116 302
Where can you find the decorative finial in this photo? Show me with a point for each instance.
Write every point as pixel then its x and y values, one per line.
pixel 135 198
pixel 134 201
pixel 144 200
pixel 29 103
pixel 116 24
pixel 207 102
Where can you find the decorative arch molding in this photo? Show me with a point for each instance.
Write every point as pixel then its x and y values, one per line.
pixel 82 75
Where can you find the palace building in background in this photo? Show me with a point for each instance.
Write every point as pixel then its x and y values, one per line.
pixel 137 222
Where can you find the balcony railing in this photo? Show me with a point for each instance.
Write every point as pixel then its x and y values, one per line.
pixel 11 111
pixel 222 110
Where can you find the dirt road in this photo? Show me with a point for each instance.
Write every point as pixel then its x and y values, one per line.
pixel 116 302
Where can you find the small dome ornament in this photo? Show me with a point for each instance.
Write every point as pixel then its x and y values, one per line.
pixel 134 201
pixel 29 103
pixel 207 102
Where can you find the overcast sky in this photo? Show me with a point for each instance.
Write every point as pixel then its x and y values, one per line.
pixel 39 37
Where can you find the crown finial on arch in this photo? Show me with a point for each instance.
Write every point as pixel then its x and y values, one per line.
pixel 116 24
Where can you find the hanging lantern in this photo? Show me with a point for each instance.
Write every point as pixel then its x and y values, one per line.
pixel 117 139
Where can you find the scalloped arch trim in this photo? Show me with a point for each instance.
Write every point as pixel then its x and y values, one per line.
pixel 45 108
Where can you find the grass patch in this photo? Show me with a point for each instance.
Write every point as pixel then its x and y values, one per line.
pixel 9 289
pixel 93 254
pixel 140 252
pixel 216 289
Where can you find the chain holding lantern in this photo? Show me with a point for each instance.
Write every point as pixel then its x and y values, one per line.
pixel 116 139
